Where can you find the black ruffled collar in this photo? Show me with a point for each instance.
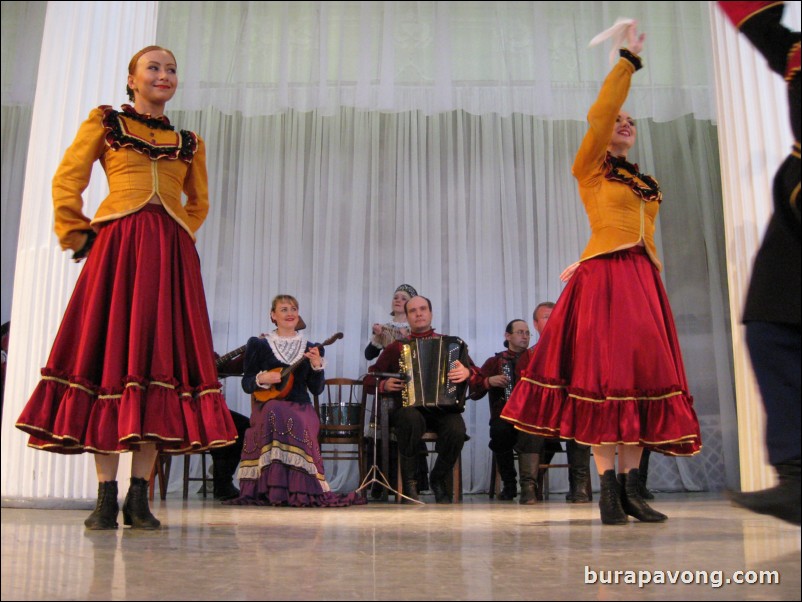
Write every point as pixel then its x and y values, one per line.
pixel 117 137
pixel 618 169
pixel 161 122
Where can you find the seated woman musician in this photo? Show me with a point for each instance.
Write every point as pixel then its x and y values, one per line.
pixel 398 328
pixel 281 463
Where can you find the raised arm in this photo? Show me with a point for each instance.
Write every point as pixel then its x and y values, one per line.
pixel 603 113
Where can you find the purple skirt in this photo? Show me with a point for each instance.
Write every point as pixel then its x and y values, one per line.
pixel 281 463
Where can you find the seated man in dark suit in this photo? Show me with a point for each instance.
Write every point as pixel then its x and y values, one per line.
pixel 412 422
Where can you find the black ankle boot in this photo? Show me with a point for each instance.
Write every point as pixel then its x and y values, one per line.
pixel 439 489
pixel 505 461
pixel 223 470
pixel 225 490
pixel 781 501
pixel 632 502
pixel 508 492
pixel 610 500
pixel 409 470
pixel 136 513
pixel 105 514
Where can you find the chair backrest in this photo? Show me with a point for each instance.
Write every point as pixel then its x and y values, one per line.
pixel 341 409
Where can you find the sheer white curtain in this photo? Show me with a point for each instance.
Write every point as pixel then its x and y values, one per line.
pixel 22 24
pixel 260 58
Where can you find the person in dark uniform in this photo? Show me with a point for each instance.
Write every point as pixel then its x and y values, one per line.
pixel 499 378
pixel 772 312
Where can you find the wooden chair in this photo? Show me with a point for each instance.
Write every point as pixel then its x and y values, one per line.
pixel 161 472
pixel 204 478
pixel 341 409
pixel 454 485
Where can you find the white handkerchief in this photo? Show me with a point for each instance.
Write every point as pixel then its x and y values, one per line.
pixel 618 33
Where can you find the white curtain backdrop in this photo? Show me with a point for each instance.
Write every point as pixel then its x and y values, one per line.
pixel 22 24
pixel 353 146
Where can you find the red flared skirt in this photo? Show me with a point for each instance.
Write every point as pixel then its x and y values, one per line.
pixel 133 360
pixel 608 366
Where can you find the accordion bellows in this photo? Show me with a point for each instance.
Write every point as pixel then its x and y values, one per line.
pixel 426 363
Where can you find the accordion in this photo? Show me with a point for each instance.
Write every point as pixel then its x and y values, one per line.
pixel 426 363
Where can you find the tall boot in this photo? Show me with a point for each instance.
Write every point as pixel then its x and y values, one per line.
pixel 579 473
pixel 506 468
pixel 781 501
pixel 643 471
pixel 612 513
pixel 136 513
pixel 632 502
pixel 105 514
pixel 528 466
pixel 409 470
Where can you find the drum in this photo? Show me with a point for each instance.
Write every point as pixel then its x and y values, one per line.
pixel 333 415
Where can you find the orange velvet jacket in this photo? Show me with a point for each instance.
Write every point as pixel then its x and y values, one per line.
pixel 141 157
pixel 621 203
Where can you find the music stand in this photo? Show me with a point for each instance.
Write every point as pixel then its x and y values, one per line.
pixel 375 474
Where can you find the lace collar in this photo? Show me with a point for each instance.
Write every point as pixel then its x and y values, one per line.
pixel 287 350
pixel 618 169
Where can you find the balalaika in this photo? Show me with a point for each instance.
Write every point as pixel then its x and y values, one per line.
pixel 426 363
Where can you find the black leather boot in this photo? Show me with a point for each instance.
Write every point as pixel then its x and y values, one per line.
pixel 643 470
pixel 632 502
pixel 506 468
pixel 579 473
pixel 223 470
pixel 528 466
pixel 105 514
pixel 781 501
pixel 136 513
pixel 409 470
pixel 439 489
pixel 612 513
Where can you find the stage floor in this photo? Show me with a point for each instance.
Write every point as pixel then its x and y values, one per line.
pixel 479 550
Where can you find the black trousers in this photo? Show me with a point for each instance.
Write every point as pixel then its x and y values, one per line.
pixel 411 423
pixel 504 437
pixel 230 454
pixel 775 352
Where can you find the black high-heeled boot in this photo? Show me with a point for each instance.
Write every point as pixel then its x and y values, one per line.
pixel 136 513
pixel 105 514
pixel 612 513
pixel 632 502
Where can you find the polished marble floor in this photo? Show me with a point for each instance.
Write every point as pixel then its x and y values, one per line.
pixel 479 550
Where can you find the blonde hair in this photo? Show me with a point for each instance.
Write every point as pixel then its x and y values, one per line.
pixel 135 59
pixel 282 299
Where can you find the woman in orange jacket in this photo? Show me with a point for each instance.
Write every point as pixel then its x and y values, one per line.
pixel 132 366
pixel 608 369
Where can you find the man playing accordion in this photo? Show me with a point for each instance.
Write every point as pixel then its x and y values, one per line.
pixel 412 421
